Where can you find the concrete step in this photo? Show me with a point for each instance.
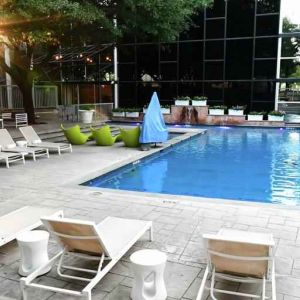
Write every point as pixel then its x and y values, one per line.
pixel 292 125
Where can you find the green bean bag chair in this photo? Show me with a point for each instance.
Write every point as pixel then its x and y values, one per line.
pixel 103 136
pixel 131 137
pixel 75 136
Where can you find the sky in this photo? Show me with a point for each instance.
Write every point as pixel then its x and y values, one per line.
pixel 291 10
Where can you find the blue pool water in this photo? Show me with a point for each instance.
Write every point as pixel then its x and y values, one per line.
pixel 232 163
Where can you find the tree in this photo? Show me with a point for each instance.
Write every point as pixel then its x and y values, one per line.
pixel 28 24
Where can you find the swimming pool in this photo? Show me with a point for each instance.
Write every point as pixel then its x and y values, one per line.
pixel 252 164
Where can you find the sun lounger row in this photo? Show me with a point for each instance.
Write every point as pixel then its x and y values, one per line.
pixel 11 152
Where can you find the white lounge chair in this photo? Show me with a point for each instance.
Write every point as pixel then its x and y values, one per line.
pixel 23 219
pixel 11 157
pixel 8 145
pixel 239 256
pixel 34 140
pixel 106 243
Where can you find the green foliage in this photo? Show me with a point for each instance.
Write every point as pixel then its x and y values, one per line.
pixel 200 98
pixel 218 107
pixel 87 107
pixel 238 107
pixel 119 109
pixel 276 113
pixel 133 109
pixel 257 113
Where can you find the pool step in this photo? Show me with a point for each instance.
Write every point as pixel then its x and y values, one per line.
pixel 292 125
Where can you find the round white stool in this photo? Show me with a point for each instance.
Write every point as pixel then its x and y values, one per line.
pixel 33 249
pixel 148 269
pixel 21 143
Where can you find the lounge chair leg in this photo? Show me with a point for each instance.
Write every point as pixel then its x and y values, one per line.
pixel 203 283
pixel 48 153
pixel 7 164
pixel 151 234
pixel 23 289
pixel 88 295
pixel 33 156
pixel 59 153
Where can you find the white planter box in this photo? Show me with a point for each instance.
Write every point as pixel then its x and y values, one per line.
pixel 119 114
pixel 165 111
pixel 217 112
pixel 86 116
pixel 199 102
pixel 276 118
pixel 182 102
pixel 255 117
pixel 134 114
pixel 235 112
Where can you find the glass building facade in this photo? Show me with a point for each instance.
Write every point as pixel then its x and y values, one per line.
pixel 238 52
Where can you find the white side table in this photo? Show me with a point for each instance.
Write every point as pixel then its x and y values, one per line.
pixel 22 144
pixel 148 268
pixel 33 247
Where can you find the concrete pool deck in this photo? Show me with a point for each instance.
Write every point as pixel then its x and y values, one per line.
pixel 178 223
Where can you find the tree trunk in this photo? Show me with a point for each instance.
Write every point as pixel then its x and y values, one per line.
pixel 26 89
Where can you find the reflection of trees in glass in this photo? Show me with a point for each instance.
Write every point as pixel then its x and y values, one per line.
pixel 290 48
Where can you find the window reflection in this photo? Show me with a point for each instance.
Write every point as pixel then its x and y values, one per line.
pixel 290 12
pixel 289 91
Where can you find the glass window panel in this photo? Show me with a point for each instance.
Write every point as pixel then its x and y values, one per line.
pixel 266 47
pixel 289 91
pixel 216 10
pixel 290 68
pixel 127 92
pixel 145 91
pixel 262 105
pixel 214 29
pixel 240 18
pixel 290 47
pixel 168 71
pixel 264 91
pixel 127 72
pixel 190 89
pixel 214 70
pixel 194 33
pixel 239 59
pixel 214 91
pixel 78 72
pixel 237 93
pixel 168 92
pixel 290 13
pixel 265 69
pixel 214 50
pixel 268 6
pixel 147 60
pixel 168 52
pixel 267 25
pixel 190 60
pixel 126 53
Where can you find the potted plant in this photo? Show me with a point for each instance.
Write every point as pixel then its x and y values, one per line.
pixel 237 110
pixel 165 109
pixel 86 113
pixel 217 110
pixel 132 113
pixel 256 116
pixel 276 115
pixel 118 112
pixel 182 101
pixel 199 101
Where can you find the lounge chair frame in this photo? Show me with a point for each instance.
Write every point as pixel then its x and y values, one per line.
pixel 12 157
pixel 101 271
pixel 30 135
pixel 6 139
pixel 210 270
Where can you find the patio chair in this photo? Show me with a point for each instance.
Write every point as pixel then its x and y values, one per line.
pixel 239 256
pixel 131 137
pixel 18 120
pixel 34 140
pixel 103 136
pixel 8 145
pixel 104 243
pixel 11 157
pixel 75 136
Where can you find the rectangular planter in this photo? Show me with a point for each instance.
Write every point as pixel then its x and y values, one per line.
pixel 165 111
pixel 182 102
pixel 134 114
pixel 235 112
pixel 275 118
pixel 255 117
pixel 199 102
pixel 217 112
pixel 118 114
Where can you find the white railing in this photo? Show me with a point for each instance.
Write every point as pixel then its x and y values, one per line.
pixel 45 96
